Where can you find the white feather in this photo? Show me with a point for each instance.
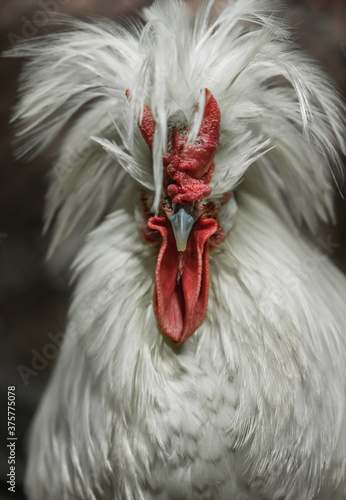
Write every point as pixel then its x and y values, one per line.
pixel 239 56
pixel 253 405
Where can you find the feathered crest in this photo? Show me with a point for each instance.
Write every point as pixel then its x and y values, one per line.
pixel 279 113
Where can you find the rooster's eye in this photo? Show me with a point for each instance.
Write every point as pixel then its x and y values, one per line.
pixel 183 133
pixel 198 141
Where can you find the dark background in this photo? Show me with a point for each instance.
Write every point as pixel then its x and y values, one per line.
pixel 34 294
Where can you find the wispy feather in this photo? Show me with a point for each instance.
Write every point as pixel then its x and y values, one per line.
pixel 253 404
pixel 266 90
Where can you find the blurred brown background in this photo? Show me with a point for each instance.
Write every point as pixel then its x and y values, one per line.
pixel 34 294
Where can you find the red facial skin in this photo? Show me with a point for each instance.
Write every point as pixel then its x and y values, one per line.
pixel 182 278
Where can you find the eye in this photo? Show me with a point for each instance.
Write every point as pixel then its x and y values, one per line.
pixel 198 141
pixel 183 133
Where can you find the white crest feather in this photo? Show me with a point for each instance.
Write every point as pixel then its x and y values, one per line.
pixel 277 108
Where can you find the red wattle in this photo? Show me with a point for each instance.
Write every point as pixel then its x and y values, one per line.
pixel 182 278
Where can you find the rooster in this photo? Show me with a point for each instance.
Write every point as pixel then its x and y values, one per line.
pixel 205 351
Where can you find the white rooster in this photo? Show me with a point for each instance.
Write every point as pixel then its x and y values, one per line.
pixel 205 354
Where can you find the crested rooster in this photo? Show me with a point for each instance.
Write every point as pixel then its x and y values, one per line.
pixel 205 352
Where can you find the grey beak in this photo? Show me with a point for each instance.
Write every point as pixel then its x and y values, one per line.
pixel 182 223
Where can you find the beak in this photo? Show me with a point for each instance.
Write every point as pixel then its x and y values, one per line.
pixel 182 222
